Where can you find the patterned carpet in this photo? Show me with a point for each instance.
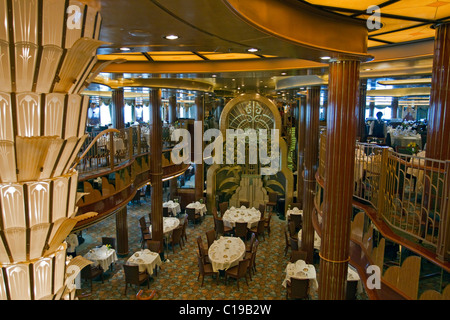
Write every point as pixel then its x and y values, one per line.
pixel 177 279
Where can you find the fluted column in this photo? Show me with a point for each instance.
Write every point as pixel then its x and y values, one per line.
pixel 118 116
pixel 172 118
pixel 155 159
pixel 198 148
pixel 122 232
pixel 300 147
pixel 310 167
pixel 439 122
pixel 340 157
pixel 361 131
pixel 394 108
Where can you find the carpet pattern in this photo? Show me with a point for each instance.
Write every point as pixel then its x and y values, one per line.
pixel 177 278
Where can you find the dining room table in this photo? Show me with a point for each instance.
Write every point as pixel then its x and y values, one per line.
pixel 146 260
pixel 417 168
pixel 173 207
pixel 169 224
pixel 226 252
pixel 199 207
pixel 352 275
pixel 102 256
pixel 301 270
pixel 119 145
pixel 294 211
pixel 243 214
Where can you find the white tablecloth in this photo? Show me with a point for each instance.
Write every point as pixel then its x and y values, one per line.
pixel 226 252
pixel 294 210
pixel 169 223
pixel 102 256
pixel 317 240
pixel 403 141
pixel 146 259
pixel 118 143
pixel 415 170
pixel 352 275
pixel 199 207
pixel 173 207
pixel 242 214
pixel 301 270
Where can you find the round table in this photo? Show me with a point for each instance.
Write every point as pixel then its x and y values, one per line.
pixel 169 224
pixel 295 210
pixel 242 214
pixel 199 207
pixel 226 252
pixel 146 260
pixel 173 207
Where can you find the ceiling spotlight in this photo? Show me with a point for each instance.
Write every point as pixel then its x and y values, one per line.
pixel 213 76
pixel 325 58
pixel 171 37
pixel 252 50
pixel 125 49
pixel 283 73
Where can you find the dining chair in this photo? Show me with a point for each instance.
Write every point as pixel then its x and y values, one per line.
pixel 145 233
pixel 297 288
pixel 298 221
pixel 267 223
pixel 192 215
pixel 202 250
pixel 221 229
pixel 176 238
pixel 240 230
pixel 259 229
pixel 210 237
pixel 223 207
pixel 166 212
pixel 288 243
pixel 205 269
pixel 91 272
pixel 134 277
pixel 244 203
pixel 298 255
pixel 292 231
pixel 273 201
pixel 109 240
pixel 249 247
pixel 262 209
pixel 183 234
pixel 252 257
pixel 294 243
pixel 238 272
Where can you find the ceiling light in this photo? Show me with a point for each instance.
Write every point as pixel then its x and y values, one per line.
pixel 213 76
pixel 325 58
pixel 252 50
pixel 283 73
pixel 125 49
pixel 171 37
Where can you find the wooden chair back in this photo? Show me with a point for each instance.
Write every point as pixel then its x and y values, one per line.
pixel 299 288
pixel 109 240
pixel 240 229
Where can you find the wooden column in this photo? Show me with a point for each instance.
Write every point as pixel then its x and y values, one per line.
pixel 394 108
pixel 172 118
pixel 438 130
pixel 198 148
pixel 300 148
pixel 118 116
pixel 361 131
pixel 155 159
pixel 122 232
pixel 339 166
pixel 310 167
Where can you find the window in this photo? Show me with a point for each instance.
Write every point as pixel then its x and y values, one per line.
pixel 105 115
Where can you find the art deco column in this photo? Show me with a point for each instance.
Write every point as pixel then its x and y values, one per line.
pixel 155 159
pixel 394 108
pixel 361 131
pixel 198 148
pixel 172 118
pixel 340 157
pixel 438 131
pixel 118 116
pixel 300 147
pixel 122 232
pixel 310 167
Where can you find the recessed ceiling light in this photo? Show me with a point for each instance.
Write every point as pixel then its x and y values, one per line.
pixel 252 50
pixel 367 69
pixel 171 37
pixel 125 49
pixel 325 58
pixel 213 76
pixel 283 73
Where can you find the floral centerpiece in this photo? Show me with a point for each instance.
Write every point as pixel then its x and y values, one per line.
pixel 201 200
pixel 108 247
pixel 413 147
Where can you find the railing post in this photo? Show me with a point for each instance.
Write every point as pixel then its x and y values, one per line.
pixel 111 148
pixel 130 140
pixel 381 198
pixel 443 242
pixel 139 138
